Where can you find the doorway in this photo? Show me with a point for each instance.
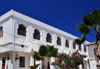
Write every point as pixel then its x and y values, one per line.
pixel 3 63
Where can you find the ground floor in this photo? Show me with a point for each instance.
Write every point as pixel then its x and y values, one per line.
pixel 23 60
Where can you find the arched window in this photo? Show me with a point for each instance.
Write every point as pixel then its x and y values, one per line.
pixel 1 31
pixel 74 47
pixel 84 48
pixel 80 47
pixel 36 34
pixel 67 43
pixel 48 38
pixel 58 41
pixel 22 30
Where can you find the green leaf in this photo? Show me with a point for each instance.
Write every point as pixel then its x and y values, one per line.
pixel 54 52
pixel 49 47
pixel 37 57
pixel 96 13
pixel 51 51
pixel 42 50
pixel 83 28
pixel 80 40
pixel 88 19
pixel 48 54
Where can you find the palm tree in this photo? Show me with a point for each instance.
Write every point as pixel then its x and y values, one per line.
pixel 45 52
pixel 91 21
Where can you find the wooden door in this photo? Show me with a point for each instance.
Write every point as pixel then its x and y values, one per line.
pixel 3 64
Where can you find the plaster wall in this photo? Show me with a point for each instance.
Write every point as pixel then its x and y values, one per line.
pixel 7 25
pixel 91 51
pixel 10 28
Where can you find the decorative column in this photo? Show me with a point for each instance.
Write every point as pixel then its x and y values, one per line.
pixel 43 35
pixel 62 43
pixel 29 35
pixel 54 40
pixel 70 44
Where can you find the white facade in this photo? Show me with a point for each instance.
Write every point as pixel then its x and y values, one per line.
pixel 10 43
pixel 92 61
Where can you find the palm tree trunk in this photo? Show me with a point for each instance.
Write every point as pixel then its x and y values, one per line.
pixel 46 63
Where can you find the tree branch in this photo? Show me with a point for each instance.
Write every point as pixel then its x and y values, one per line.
pixel 91 35
pixel 93 31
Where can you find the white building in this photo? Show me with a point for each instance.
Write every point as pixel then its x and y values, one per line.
pixel 21 35
pixel 92 61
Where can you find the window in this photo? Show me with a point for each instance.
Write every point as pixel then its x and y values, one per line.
pixel 58 41
pixel 67 43
pixel 36 34
pixel 84 48
pixel 74 47
pixel 3 63
pixel 1 31
pixel 22 62
pixel 48 38
pixel 22 30
pixel 80 47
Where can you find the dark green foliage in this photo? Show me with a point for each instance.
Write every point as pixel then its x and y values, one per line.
pixel 96 14
pixel 37 57
pixel 45 51
pixel 42 50
pixel 80 40
pixel 83 28
pixel 91 21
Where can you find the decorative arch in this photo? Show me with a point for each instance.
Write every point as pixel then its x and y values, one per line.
pixel 1 31
pixel 58 41
pixel 36 34
pixel 21 30
pixel 74 47
pixel 67 43
pixel 49 38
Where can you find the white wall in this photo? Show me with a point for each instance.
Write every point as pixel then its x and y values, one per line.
pixel 7 30
pixel 30 42
pixel 91 51
pixel 93 64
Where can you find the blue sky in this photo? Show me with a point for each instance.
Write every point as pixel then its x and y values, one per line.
pixel 62 14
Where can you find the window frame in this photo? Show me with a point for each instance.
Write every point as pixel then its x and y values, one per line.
pixel 49 39
pixel 1 31
pixel 3 63
pixel 58 41
pixel 80 47
pixel 67 43
pixel 22 61
pixel 74 46
pixel 21 30
pixel 36 34
pixel 85 49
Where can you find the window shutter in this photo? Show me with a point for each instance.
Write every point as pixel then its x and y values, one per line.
pixel 22 62
pixel 21 30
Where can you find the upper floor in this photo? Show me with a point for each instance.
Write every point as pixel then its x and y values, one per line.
pixel 21 29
